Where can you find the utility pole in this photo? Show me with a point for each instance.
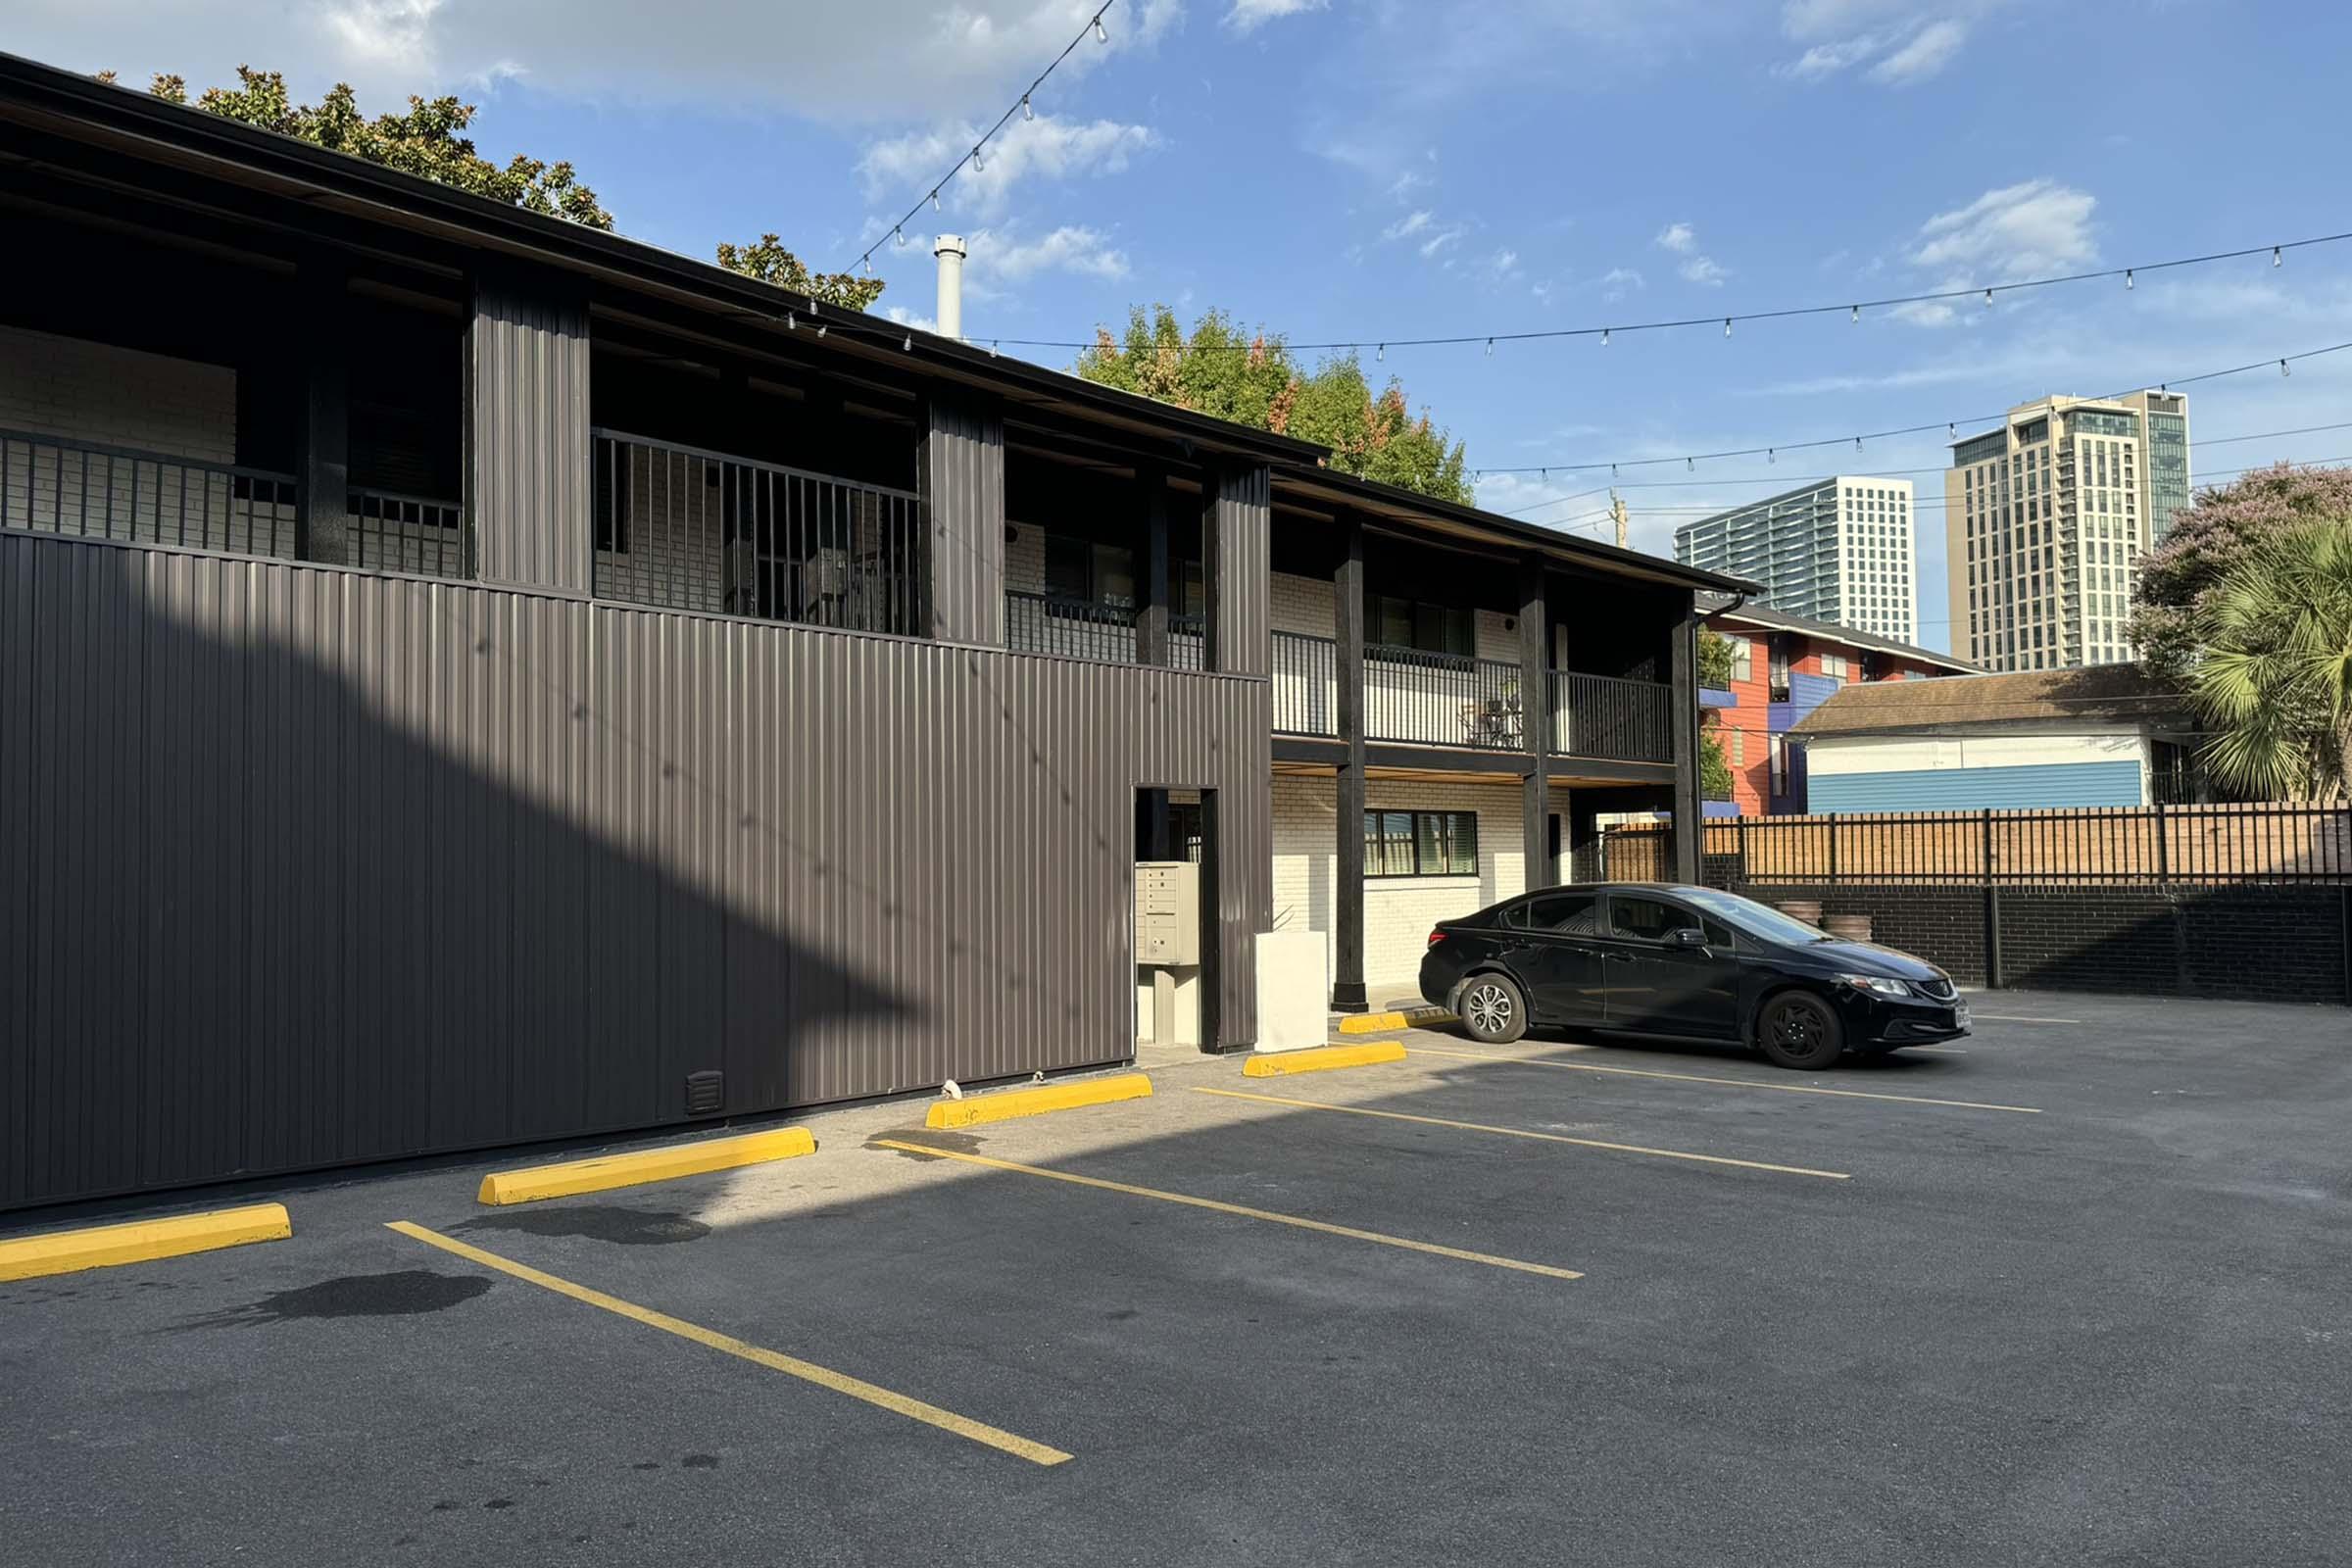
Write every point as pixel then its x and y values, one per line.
pixel 1617 513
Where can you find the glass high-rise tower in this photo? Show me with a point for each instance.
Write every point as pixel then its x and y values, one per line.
pixel 1839 550
pixel 2047 520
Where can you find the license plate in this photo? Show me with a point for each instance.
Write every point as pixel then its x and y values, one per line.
pixel 1959 1015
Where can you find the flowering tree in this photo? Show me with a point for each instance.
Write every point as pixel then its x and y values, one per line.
pixel 1254 381
pixel 2225 528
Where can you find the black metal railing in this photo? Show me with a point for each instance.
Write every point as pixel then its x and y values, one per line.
pixel 684 528
pixel 387 531
pixel 1442 699
pixel 1188 642
pixel 1601 716
pixel 2147 845
pixel 1074 628
pixel 50 484
pixel 1306 679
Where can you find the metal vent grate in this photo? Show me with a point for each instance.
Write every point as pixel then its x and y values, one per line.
pixel 706 1093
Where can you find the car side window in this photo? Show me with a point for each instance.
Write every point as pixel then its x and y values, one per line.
pixel 1642 919
pixel 1568 914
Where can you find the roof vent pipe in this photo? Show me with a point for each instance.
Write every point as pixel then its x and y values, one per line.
pixel 949 251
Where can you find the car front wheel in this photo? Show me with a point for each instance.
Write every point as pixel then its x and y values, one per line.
pixel 1798 1029
pixel 1492 1010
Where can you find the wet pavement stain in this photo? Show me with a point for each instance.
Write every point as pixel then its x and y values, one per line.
pixel 700 1461
pixel 937 1138
pixel 405 1293
pixel 624 1226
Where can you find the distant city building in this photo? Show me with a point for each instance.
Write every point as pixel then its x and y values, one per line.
pixel 2045 522
pixel 1839 550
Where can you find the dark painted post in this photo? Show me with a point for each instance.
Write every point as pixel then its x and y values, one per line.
pixel 1348 848
pixel 325 461
pixel 1687 812
pixel 1993 907
pixel 1833 848
pixel 1535 725
pixel 1151 552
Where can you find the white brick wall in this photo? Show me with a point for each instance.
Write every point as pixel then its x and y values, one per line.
pixel 1304 605
pixel 1397 910
pixel 116 397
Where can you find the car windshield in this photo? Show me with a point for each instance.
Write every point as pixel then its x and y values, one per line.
pixel 1760 921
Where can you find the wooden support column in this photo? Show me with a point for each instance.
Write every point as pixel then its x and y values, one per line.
pixel 1347 848
pixel 326 457
pixel 1534 723
pixel 1153 607
pixel 1689 815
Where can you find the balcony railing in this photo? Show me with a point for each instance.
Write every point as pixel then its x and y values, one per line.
pixel 386 531
pixel 1442 699
pixel 1600 715
pixel 684 528
pixel 1074 628
pixel 1188 642
pixel 50 484
pixel 1306 689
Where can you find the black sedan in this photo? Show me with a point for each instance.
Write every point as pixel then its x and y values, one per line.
pixel 1675 962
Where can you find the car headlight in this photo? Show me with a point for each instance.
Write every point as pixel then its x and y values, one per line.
pixel 1877 983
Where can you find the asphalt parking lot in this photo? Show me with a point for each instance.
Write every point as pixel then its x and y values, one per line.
pixel 2076 1291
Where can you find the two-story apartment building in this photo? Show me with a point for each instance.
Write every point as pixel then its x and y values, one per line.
pixel 466 678
pixel 1783 668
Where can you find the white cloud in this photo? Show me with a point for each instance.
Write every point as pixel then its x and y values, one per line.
pixel 1047 147
pixel 1702 271
pixel 853 64
pixel 1001 258
pixel 1930 50
pixel 1677 237
pixel 1409 224
pixel 1503 262
pixel 1249 15
pixel 1441 239
pixel 1829 59
pixel 1618 281
pixel 2021 230
pixel 1814 19
pixel 1681 239
pixel 907 318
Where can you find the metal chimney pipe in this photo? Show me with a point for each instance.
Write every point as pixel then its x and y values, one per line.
pixel 949 251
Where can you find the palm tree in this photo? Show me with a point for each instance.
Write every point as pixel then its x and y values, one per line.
pixel 2274 678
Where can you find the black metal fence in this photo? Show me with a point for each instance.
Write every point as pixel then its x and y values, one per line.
pixel 1601 716
pixel 392 532
pixel 50 484
pixel 1074 628
pixel 1306 684
pixel 2146 845
pixel 1442 699
pixel 684 528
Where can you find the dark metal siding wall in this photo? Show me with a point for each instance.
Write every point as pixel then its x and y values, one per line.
pixel 527 386
pixel 1243 530
pixel 961 477
pixel 300 866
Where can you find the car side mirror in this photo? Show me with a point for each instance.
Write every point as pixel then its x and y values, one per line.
pixel 1687 937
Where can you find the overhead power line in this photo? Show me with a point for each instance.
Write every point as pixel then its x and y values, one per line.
pixel 1019 106
pixel 1771 452
pixel 1851 308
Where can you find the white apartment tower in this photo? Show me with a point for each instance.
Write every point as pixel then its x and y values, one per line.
pixel 1839 550
pixel 2047 520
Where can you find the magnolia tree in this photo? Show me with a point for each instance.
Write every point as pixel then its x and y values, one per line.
pixel 1251 379
pixel 430 141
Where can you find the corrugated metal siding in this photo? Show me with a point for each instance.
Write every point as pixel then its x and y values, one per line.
pixel 1243 569
pixel 961 479
pixel 528 491
pixel 1969 789
pixel 302 867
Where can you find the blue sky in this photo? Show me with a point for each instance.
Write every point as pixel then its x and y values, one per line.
pixel 1381 170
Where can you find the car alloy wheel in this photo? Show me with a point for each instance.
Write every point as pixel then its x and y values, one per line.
pixel 1488 1008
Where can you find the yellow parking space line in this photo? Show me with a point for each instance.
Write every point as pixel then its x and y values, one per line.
pixel 1214 1206
pixel 1522 1132
pixel 775 1361
pixel 1735 1083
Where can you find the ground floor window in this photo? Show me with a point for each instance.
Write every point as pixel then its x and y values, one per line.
pixel 1420 844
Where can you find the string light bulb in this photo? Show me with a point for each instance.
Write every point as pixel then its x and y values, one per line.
pixel 1100 35
pixel 2126 278
pixel 979 164
pixel 935 197
pixel 1988 297
pixel 1490 348
pixel 2282 369
pixel 908 345
pixel 1690 465
pixel 1027 113
pixel 791 323
pixel 1769 456
pixel 897 234
pixel 1604 337
pixel 1857 443
pixel 1380 355
pixel 1727 327
pixel 1857 316
pixel 2274 256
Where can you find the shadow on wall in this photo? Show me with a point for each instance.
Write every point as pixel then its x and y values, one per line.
pixel 301 870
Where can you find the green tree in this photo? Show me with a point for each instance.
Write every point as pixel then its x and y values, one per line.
pixel 2273 673
pixel 1254 381
pixel 770 262
pixel 2209 541
pixel 1714 769
pixel 1714 659
pixel 427 141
